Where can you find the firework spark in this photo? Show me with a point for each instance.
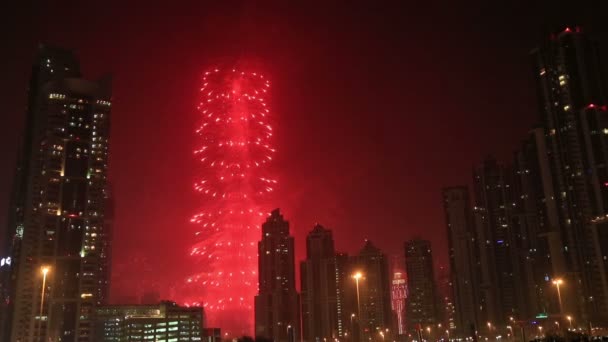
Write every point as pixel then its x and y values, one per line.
pixel 234 152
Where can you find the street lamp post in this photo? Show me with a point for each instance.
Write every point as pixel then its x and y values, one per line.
pixel 352 326
pixel 569 318
pixel 44 270
pixel 557 283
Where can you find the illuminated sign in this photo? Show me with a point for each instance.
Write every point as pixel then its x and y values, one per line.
pixel 5 261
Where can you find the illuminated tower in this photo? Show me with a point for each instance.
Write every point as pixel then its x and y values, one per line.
pixel 398 297
pixel 61 238
pixel 233 152
pixel 277 306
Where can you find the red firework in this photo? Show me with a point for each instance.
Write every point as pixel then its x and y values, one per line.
pixel 234 153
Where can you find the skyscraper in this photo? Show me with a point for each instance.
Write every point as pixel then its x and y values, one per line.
pixel 373 299
pixel 463 257
pixel 58 233
pixel 572 102
pixel 322 314
pixel 421 305
pixel 64 64
pixel 500 270
pixel 277 306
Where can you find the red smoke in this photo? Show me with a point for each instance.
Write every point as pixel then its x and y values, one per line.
pixel 233 155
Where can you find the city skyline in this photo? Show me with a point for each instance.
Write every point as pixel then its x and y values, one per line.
pixel 336 207
pixel 376 144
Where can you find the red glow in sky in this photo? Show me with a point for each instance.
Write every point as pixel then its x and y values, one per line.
pixel 378 107
pixel 233 152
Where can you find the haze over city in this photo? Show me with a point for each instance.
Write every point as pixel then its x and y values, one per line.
pixel 374 108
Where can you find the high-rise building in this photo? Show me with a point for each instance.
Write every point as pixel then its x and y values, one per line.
pixel 59 241
pixel 345 308
pixel 446 313
pixel 421 307
pixel 398 298
pixel 463 256
pixel 166 321
pixel 64 64
pixel 322 314
pixel 534 224
pixel 500 294
pixel 370 283
pixel 277 306
pixel 572 101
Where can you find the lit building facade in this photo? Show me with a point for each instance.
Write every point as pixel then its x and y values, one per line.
pixel 58 230
pixel 166 322
pixel 277 305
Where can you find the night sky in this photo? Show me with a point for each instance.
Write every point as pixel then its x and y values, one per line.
pixel 375 108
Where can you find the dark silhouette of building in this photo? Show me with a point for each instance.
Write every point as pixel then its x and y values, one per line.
pixel 464 272
pixel 277 306
pixel 322 314
pixel 501 293
pixel 166 321
pixel 534 225
pixel 372 305
pixel 57 229
pixel 572 103
pixel 421 307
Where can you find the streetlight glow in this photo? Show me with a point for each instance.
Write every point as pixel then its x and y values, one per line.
pixel 557 282
pixel 44 270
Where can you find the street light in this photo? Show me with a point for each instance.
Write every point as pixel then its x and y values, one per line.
pixel 540 331
pixel 358 276
pixel 558 326
pixel 489 328
pixel 44 270
pixel 569 318
pixel 557 283
pixel 428 329
pixel 352 325
pixel 511 330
